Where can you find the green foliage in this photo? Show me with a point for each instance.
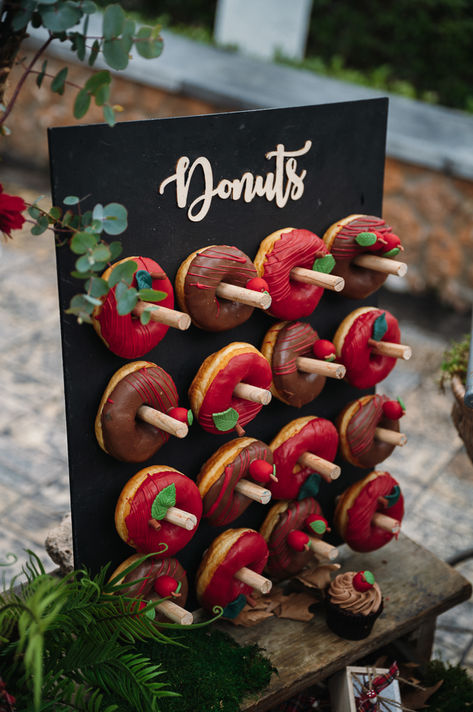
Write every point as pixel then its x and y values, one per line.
pixel 71 642
pixel 455 360
pixel 456 692
pixel 234 672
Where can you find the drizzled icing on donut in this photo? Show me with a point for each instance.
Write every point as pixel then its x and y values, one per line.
pixel 150 570
pixel 140 534
pixel 125 436
pixel 345 247
pixel 283 560
pixel 360 430
pixel 221 504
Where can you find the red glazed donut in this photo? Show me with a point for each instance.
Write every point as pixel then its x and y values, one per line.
pixel 118 429
pixel 198 278
pixel 134 510
pixel 211 392
pixel 151 570
pixel 283 518
pixel 358 504
pixel 221 473
pixel 278 254
pixel 125 335
pixel 357 424
pixel 309 434
pixel 343 240
pixel 282 345
pixel 364 368
pixel 228 553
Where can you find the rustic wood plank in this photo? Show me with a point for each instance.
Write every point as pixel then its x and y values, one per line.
pixel 417 587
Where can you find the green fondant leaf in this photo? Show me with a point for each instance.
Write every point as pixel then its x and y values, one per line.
pixel 233 609
pixel 143 279
pixel 324 264
pixel 151 613
pixel 190 417
pixel 380 327
pixel 311 486
pixel 369 578
pixel 393 497
pixel 392 253
pixel 226 419
pixel 330 357
pixel 319 527
pixel 165 499
pixel 401 403
pixel 365 239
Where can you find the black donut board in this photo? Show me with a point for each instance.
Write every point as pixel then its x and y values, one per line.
pixel 126 164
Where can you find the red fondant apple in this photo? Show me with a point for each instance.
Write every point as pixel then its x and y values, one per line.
pixel 298 540
pixel 363 581
pixel 257 284
pixel 260 471
pixel 182 414
pixel 393 410
pixel 393 242
pixel 165 586
pixel 324 350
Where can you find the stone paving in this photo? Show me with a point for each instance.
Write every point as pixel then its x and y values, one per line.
pixel 435 472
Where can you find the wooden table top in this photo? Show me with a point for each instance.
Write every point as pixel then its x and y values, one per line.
pixel 417 586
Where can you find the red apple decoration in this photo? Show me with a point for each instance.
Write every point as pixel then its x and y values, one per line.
pixel 324 350
pixel 298 540
pixel 257 284
pixel 261 471
pixel 393 410
pixel 181 414
pixel 392 246
pixel 363 581
pixel 165 586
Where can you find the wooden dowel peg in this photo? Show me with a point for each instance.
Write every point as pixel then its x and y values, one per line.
pixel 163 315
pixel 180 518
pixel 253 579
pixel 388 524
pixel 163 421
pixel 253 491
pixel 387 348
pixel 391 437
pixel 329 369
pixel 252 393
pixel 328 470
pixel 381 264
pixel 323 548
pixel 319 279
pixel 260 300
pixel 175 613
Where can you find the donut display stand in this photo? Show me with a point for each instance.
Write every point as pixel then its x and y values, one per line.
pixel 203 194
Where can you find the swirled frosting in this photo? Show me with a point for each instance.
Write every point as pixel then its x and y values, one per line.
pixel 342 593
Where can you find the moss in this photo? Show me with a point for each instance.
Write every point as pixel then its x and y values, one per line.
pixel 456 693
pixel 210 670
pixel 455 360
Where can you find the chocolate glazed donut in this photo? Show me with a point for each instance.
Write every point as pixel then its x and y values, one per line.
pixel 292 339
pixel 198 278
pixel 340 240
pixel 358 444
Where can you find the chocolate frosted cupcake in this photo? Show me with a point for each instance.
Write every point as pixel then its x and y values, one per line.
pixel 354 601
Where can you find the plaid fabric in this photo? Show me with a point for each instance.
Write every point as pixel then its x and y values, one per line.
pixel 368 702
pixel 300 703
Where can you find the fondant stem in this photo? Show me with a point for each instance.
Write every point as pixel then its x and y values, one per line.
pixel 319 279
pixel 253 579
pixel 323 548
pixel 388 524
pixel 253 491
pixel 175 613
pixel 387 348
pixel 391 437
pixel 260 300
pixel 322 368
pixel 162 421
pixel 328 470
pixel 163 315
pixel 381 264
pixel 252 393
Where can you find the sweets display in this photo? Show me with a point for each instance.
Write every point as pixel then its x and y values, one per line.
pixel 158 507
pixel 369 429
pixel 154 579
pixel 304 449
pixel 369 513
pixel 367 342
pixel 363 247
pixel 218 287
pixel 298 376
pixel 230 388
pixel 293 531
pixel 295 265
pixel 125 335
pixel 353 603
pixel 138 412
pixel 223 480
pixel 231 569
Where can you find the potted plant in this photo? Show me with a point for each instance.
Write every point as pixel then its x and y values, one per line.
pixel 454 371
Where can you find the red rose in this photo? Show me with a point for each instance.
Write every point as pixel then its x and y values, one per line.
pixel 11 207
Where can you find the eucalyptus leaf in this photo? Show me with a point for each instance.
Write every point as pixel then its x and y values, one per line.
pixel 34 212
pixel 82 242
pixel 145 316
pixel 94 53
pixel 123 272
pixel 81 275
pixel 79 46
pixel 109 115
pixel 59 17
pixel 97 80
pixel 93 300
pixel 102 94
pixel 88 7
pixel 115 249
pixel 115 218
pixel 79 304
pixel 127 301
pixel 41 225
pixel 71 200
pixel 21 18
pixel 55 213
pixel 101 253
pixel 97 213
pixel 40 76
pixel 97 287
pixel 81 103
pixel 115 52
pixel 113 21
pixel 152 295
pixel 57 84
pixel 146 45
pixel 84 264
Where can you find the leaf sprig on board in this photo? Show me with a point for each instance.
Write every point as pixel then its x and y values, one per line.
pixel 84 232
